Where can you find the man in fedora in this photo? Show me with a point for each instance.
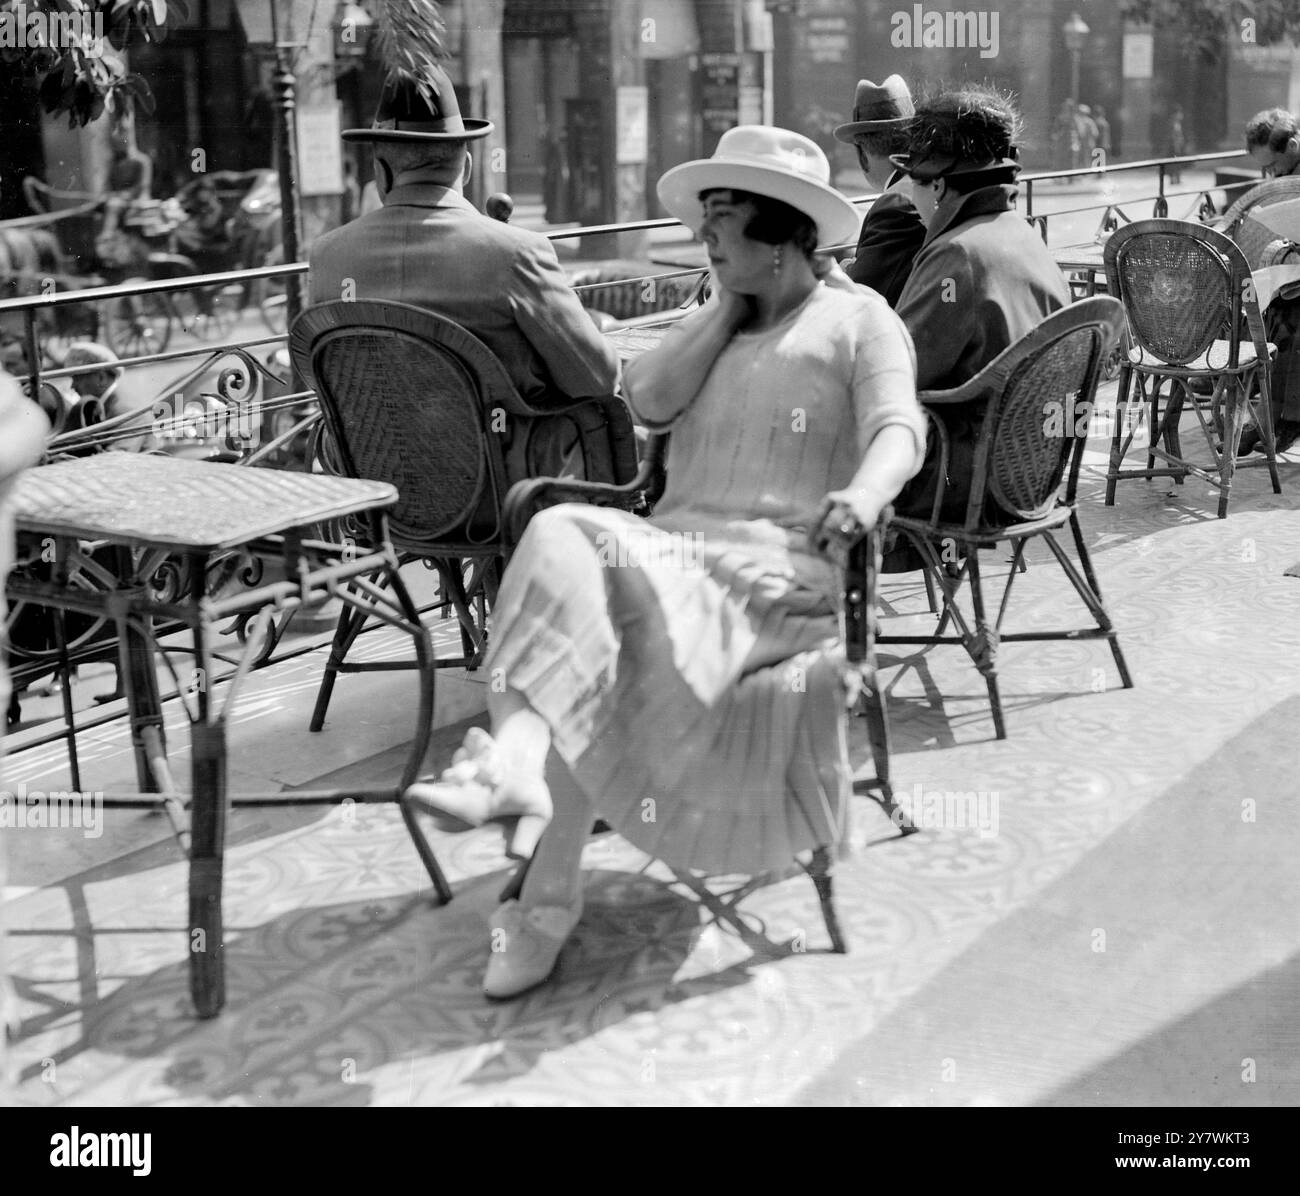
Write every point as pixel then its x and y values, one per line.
pixel 892 231
pixel 428 245
pixel 983 277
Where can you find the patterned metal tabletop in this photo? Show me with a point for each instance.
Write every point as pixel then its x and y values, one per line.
pixel 171 502
pixel 1080 257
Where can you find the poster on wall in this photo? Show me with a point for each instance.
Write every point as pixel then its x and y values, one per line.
pixel 1138 55
pixel 320 151
pixel 632 121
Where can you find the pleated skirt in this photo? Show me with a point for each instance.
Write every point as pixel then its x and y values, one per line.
pixel 694 685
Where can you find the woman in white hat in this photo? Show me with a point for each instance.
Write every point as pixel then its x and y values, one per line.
pixel 675 670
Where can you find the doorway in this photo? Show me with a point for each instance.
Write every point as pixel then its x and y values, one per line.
pixel 541 74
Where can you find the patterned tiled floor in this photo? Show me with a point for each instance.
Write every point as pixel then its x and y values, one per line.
pixel 1119 929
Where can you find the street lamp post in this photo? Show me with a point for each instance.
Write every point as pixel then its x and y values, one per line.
pixel 1076 34
pixel 287 167
pixel 282 26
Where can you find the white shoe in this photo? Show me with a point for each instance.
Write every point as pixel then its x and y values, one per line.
pixel 472 791
pixel 526 944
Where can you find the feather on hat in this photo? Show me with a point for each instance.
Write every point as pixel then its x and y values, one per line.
pixel 418 102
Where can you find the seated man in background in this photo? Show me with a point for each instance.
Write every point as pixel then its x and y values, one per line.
pixel 892 230
pixel 428 246
pixel 1273 141
pixel 983 278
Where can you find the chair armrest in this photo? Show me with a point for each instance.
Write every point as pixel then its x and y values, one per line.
pixel 860 577
pixel 958 394
pixel 526 496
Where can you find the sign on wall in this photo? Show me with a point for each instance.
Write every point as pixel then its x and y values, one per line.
pixel 632 121
pixel 320 151
pixel 1139 55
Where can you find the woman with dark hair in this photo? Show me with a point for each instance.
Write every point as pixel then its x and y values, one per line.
pixel 678 671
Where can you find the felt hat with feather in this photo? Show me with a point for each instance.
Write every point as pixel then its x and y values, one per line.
pixel 418 101
pixel 971 131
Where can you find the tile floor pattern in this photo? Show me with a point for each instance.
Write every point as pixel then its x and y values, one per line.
pixel 1125 934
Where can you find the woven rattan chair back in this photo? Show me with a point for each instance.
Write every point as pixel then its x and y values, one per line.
pixel 1261 195
pixel 1045 405
pixel 1040 394
pixel 1182 286
pixel 410 398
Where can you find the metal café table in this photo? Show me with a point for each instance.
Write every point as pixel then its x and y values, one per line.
pixel 1089 261
pixel 146 512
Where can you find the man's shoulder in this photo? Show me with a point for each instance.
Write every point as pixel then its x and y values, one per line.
pixel 460 224
pixel 893 204
pixel 341 238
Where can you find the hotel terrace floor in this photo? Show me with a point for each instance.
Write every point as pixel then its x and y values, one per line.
pixel 1125 935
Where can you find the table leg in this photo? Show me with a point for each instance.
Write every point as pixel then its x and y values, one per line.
pixel 138 669
pixel 208 831
pixel 207 827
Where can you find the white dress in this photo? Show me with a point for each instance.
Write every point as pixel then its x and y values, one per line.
pixel 690 665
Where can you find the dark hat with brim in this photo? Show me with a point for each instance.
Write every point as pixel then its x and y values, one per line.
pixel 420 111
pixel 877 107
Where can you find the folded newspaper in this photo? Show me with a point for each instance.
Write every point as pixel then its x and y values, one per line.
pixel 1272 280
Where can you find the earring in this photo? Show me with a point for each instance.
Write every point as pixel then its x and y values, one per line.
pixel 776 260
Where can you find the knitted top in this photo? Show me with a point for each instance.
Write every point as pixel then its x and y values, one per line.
pixel 786 415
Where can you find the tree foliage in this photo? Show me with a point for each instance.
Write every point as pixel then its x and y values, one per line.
pixel 84 74
pixel 1210 26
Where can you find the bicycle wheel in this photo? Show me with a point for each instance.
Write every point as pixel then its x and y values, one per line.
pixel 208 314
pixel 137 325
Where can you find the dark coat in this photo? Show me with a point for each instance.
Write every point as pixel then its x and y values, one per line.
pixel 892 232
pixel 982 281
pixel 429 246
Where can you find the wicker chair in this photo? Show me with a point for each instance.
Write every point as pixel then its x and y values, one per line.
pixel 412 398
pixel 1195 324
pixel 860 626
pixel 1036 398
pixel 1260 195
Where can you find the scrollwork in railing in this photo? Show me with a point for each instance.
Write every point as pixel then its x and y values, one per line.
pixel 1110 221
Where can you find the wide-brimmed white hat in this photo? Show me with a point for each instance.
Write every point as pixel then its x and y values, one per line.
pixel 764 160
